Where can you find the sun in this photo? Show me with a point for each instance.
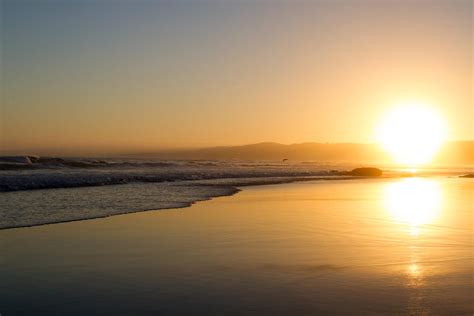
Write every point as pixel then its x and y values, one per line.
pixel 412 133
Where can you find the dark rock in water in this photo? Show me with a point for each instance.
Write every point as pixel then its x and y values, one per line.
pixel 469 175
pixel 366 172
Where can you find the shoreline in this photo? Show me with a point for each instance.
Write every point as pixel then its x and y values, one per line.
pixel 331 237
pixel 231 189
pixel 227 187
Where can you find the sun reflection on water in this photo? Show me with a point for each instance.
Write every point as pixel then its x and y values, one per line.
pixel 414 201
pixel 414 270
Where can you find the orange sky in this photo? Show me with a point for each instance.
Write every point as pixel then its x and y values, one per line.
pixel 101 76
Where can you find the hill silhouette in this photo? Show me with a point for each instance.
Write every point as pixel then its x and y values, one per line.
pixel 459 153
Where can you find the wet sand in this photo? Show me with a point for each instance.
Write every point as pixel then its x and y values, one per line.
pixel 371 246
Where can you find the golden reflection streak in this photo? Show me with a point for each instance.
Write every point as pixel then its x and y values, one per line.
pixel 414 201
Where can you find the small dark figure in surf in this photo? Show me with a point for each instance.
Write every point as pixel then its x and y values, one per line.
pixel 284 160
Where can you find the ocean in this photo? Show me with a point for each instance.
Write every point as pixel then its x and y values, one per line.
pixel 52 190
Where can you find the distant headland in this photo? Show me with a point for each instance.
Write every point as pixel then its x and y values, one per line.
pixel 453 153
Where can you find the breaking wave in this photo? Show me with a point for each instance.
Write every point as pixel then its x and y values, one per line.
pixel 79 189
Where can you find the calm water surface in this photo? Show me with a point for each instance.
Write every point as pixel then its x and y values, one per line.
pixel 369 247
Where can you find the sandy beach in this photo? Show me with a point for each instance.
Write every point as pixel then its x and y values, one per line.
pixel 332 247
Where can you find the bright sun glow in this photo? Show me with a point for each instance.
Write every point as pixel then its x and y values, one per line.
pixel 412 133
pixel 414 201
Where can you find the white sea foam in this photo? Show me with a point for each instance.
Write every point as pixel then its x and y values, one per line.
pixel 46 173
pixel 52 190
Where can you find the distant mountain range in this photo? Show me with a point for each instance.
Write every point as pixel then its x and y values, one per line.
pixel 458 153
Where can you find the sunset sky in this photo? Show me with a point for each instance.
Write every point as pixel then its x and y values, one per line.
pixel 125 75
